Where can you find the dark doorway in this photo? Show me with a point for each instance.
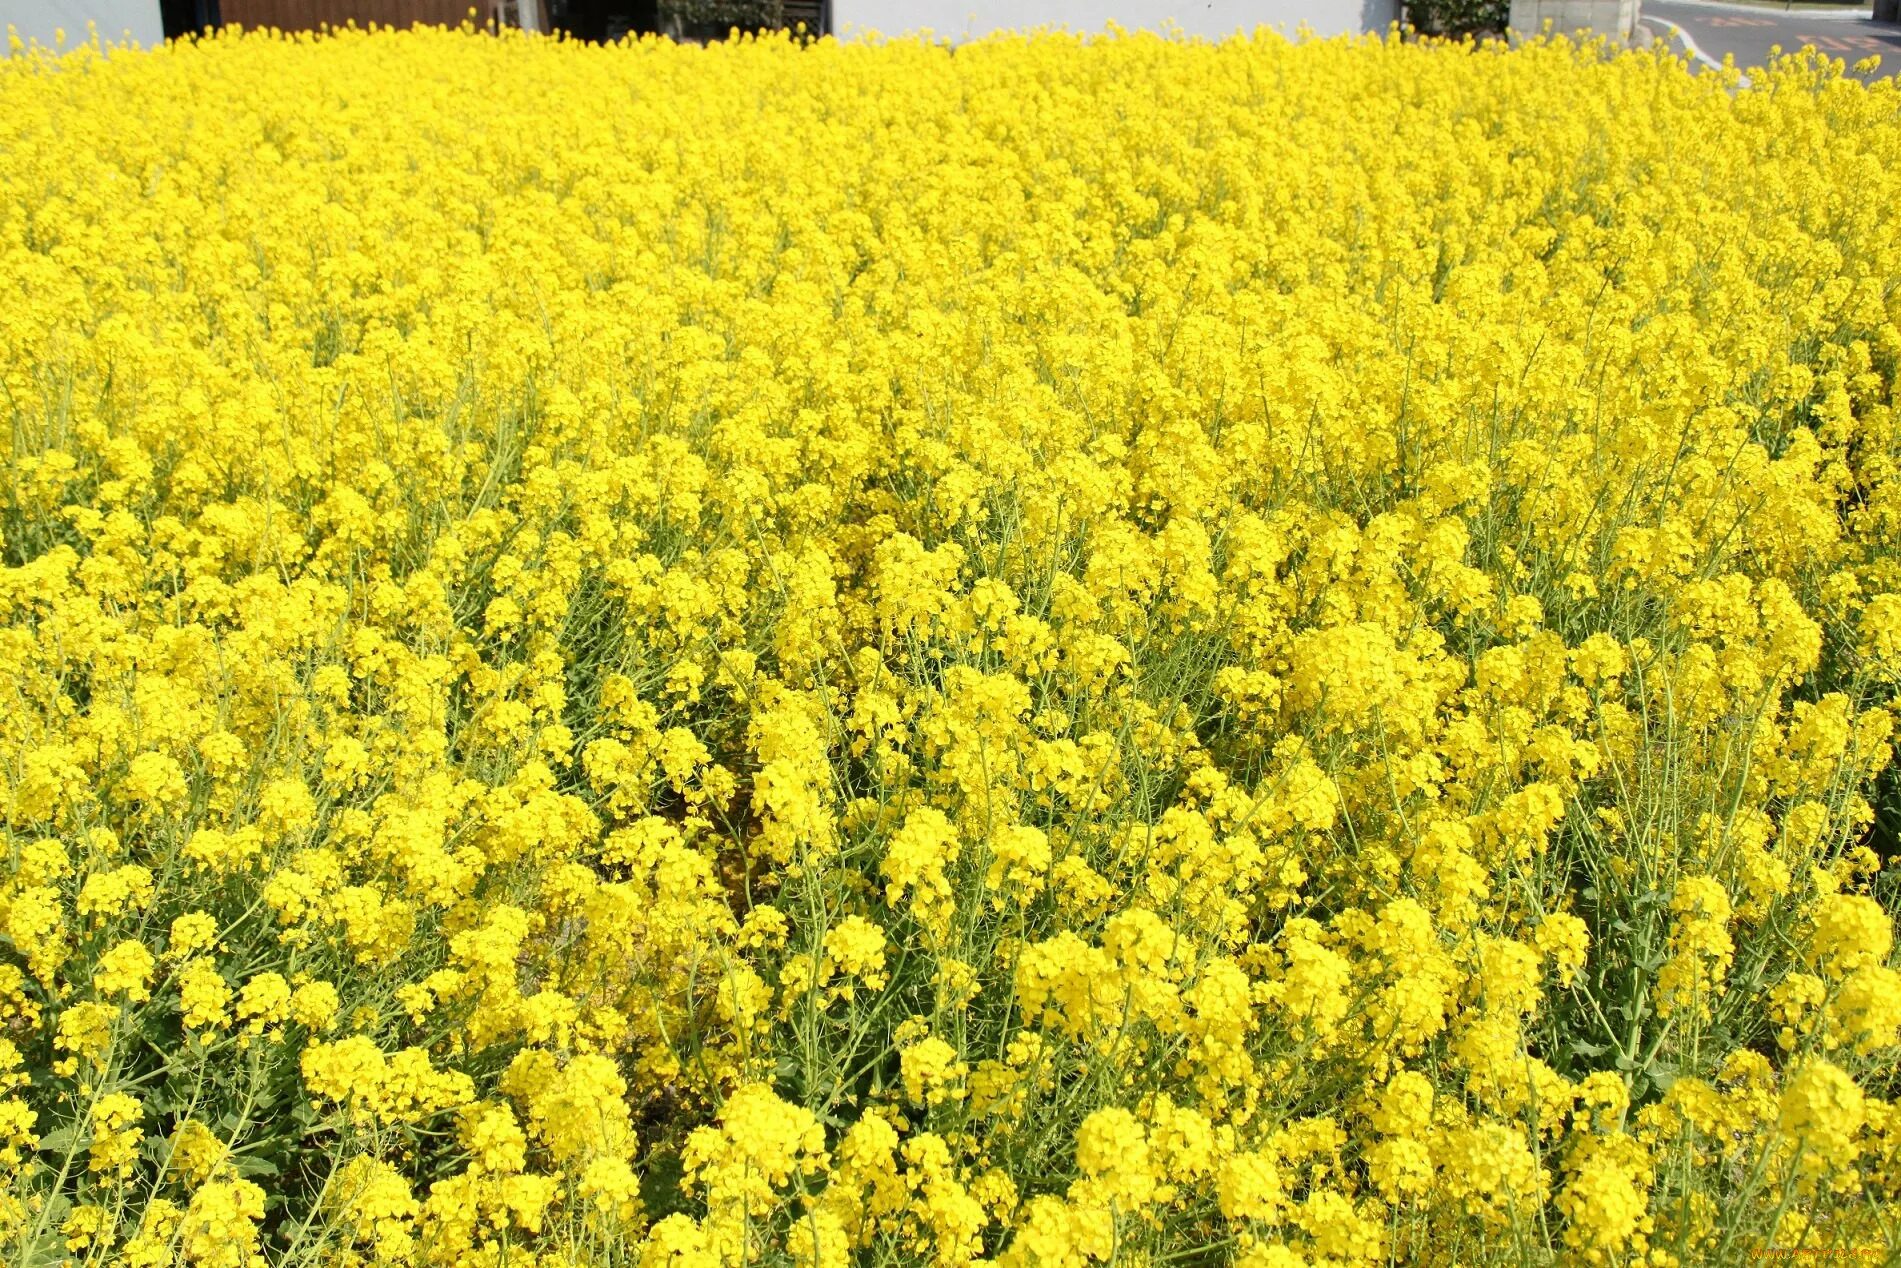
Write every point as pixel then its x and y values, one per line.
pixel 602 20
pixel 187 17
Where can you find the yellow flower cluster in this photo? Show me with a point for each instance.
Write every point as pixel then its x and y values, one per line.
pixel 1072 651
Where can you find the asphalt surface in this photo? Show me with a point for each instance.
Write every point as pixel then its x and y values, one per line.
pixel 1749 33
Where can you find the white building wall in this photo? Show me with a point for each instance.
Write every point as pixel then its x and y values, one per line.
pixel 1212 19
pixel 116 19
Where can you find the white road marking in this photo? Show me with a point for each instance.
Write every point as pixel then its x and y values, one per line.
pixel 1690 47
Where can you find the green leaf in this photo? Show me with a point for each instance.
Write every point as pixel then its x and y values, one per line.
pixel 61 1141
pixel 254 1166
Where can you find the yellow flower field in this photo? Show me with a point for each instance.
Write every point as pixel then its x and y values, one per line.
pixel 1076 651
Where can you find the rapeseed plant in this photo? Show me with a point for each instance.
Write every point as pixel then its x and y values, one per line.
pixel 1084 650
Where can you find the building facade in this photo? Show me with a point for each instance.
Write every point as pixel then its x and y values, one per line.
pixel 149 21
pixel 1211 19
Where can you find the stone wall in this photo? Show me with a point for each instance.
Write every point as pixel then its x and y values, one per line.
pixel 1614 18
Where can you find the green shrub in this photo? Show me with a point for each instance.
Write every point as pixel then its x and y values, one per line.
pixel 1459 17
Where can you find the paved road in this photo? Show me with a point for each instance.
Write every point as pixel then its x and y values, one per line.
pixel 1749 32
